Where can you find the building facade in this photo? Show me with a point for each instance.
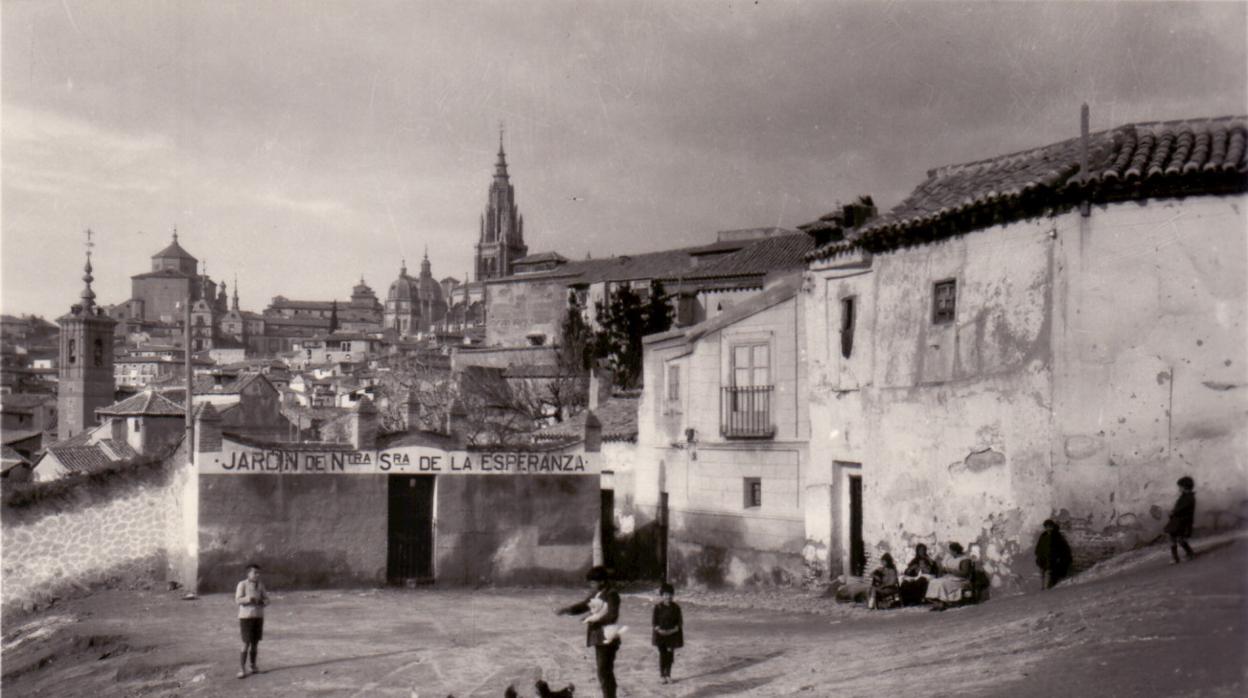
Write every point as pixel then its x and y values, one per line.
pixel 1054 346
pixel 723 446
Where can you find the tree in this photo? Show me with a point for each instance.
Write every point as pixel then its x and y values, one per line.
pixel 623 321
pixel 333 317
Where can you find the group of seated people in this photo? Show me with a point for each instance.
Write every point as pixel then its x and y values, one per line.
pixel 924 579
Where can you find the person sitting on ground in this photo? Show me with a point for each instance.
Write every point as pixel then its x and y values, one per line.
pixel 883 583
pixel 918 573
pixel 1052 555
pixel 957 573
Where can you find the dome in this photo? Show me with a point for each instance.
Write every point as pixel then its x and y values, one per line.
pixel 430 290
pixel 404 288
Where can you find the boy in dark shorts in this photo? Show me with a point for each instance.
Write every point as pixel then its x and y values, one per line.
pixel 251 599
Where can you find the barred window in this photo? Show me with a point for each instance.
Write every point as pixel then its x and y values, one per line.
pixel 944 301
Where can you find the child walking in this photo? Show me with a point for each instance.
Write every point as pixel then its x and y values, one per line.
pixel 668 632
pixel 251 599
pixel 1179 527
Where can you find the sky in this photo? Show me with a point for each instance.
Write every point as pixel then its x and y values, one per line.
pixel 301 145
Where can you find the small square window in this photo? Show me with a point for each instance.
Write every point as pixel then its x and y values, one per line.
pixel 944 301
pixel 753 492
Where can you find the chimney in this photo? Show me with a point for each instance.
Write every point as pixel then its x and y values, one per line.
pixel 593 432
pixel 364 425
pixel 686 308
pixel 207 429
pixel 455 423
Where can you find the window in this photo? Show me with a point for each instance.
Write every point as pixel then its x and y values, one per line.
pixel 753 492
pixel 847 326
pixel 344 346
pixel 673 383
pixel 138 425
pixel 944 301
pixel 98 353
pixel 750 364
pixel 73 353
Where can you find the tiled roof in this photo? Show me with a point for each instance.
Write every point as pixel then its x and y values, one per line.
pixel 1132 162
pixel 617 414
pixel 12 436
pixel 25 400
pixel 760 257
pixel 163 274
pixel 146 403
pixel 304 305
pixel 779 292
pixel 10 459
pixel 540 257
pixel 173 251
pixel 117 449
pixel 78 455
pixel 276 321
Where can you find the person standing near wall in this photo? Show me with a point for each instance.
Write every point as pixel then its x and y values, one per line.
pixel 605 647
pixel 1182 518
pixel 251 598
pixel 1052 555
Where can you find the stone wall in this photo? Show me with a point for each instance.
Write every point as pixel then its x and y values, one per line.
pixel 108 530
pixel 516 307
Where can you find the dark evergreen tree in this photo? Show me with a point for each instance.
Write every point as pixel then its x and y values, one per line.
pixel 333 317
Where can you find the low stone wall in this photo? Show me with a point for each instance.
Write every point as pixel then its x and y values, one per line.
pixel 107 531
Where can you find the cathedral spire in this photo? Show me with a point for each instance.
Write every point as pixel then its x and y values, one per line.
pixel 235 306
pixel 500 167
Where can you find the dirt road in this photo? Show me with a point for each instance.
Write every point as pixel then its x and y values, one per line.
pixel 1144 628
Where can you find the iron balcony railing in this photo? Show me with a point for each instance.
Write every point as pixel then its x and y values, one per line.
pixel 745 412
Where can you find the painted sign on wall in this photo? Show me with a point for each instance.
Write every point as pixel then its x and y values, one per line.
pixel 239 459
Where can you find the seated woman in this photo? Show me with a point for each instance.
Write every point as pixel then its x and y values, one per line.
pixel 957 572
pixel 883 583
pixel 918 573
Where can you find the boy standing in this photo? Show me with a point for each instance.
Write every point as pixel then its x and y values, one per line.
pixel 596 631
pixel 251 599
pixel 1179 527
pixel 668 634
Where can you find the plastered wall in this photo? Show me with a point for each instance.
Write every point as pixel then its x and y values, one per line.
pixel 1092 361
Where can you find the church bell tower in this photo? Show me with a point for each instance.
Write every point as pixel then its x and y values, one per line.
pixel 86 380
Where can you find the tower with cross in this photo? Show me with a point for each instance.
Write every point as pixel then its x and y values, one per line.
pixel 86 381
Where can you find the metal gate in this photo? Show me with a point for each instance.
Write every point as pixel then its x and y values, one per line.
pixel 857 551
pixel 410 553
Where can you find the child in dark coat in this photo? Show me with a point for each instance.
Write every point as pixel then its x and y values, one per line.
pixel 1052 555
pixel 668 632
pixel 1182 517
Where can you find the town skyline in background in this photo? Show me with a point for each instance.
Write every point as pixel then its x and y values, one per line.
pixel 322 147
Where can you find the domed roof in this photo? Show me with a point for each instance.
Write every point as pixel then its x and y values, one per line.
pixel 174 251
pixel 430 289
pixel 404 288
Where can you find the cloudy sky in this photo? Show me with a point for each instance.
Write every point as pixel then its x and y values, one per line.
pixel 299 145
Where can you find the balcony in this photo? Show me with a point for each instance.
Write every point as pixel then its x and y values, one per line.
pixel 745 412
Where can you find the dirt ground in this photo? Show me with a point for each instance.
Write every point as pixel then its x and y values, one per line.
pixel 1138 626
